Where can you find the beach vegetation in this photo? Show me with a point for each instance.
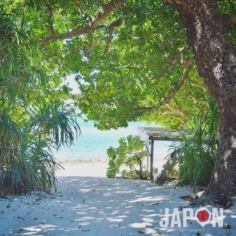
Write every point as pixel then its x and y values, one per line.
pixel 34 119
pixel 126 160
pixel 134 60
pixel 198 148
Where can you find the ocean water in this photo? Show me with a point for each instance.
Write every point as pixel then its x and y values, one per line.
pixel 93 143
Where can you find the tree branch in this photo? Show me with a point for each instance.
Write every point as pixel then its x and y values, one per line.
pixel 50 23
pixel 111 28
pixel 171 63
pixel 230 20
pixel 169 112
pixel 80 30
pixel 166 100
pixel 173 110
pixel 171 2
pixel 202 86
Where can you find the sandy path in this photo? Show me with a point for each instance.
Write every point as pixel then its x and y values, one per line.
pixel 97 206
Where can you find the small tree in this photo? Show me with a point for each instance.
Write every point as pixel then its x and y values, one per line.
pixel 129 154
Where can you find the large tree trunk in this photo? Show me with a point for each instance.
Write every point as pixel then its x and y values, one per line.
pixel 216 60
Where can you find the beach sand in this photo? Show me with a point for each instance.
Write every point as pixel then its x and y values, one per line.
pixel 87 203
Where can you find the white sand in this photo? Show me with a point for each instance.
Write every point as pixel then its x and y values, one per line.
pixel 84 169
pixel 89 204
pixel 97 168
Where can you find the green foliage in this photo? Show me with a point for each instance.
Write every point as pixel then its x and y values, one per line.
pixel 30 167
pixel 55 121
pixel 26 157
pixel 122 72
pixel 117 80
pixel 120 75
pixel 34 118
pixel 129 154
pixel 198 149
pixel 131 72
pixel 142 66
pixel 228 7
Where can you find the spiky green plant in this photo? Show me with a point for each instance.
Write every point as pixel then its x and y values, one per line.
pixel 198 148
pixel 56 121
pixel 29 163
pixel 34 167
pixel 33 118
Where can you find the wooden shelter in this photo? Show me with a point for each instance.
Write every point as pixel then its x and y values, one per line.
pixel 151 134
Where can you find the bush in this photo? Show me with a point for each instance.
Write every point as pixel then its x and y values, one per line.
pixel 34 118
pixel 26 159
pixel 129 154
pixel 198 149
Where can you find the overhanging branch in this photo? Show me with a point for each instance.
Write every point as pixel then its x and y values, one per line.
pixel 80 30
pixel 173 110
pixel 171 62
pixel 111 28
pixel 166 100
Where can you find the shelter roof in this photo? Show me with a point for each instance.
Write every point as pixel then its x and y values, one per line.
pixel 159 133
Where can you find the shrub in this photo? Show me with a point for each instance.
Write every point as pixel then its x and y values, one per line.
pixel 26 158
pixel 198 149
pixel 33 116
pixel 129 154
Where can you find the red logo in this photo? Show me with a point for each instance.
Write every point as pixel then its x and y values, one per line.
pixel 203 215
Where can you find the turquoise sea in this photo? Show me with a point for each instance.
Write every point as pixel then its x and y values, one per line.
pixel 93 143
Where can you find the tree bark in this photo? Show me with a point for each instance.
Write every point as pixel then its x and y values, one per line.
pixel 216 60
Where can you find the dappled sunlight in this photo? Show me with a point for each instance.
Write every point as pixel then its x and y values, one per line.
pixel 146 219
pixel 147 199
pixel 114 213
pixel 99 206
pixel 140 225
pixel 233 142
pixel 86 218
pixel 148 211
pixel 114 220
pixel 227 154
pixel 37 229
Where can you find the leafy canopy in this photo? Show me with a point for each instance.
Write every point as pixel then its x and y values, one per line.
pixel 130 58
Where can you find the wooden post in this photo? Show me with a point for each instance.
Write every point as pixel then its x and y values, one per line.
pixel 151 161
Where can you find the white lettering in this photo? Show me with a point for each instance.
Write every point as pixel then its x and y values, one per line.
pixel 217 218
pixel 175 218
pixel 187 216
pixel 165 223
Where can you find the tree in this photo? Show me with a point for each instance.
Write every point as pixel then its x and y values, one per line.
pixel 135 60
pixel 33 118
pixel 215 57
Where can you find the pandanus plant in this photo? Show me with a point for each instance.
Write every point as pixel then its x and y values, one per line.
pixel 34 120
